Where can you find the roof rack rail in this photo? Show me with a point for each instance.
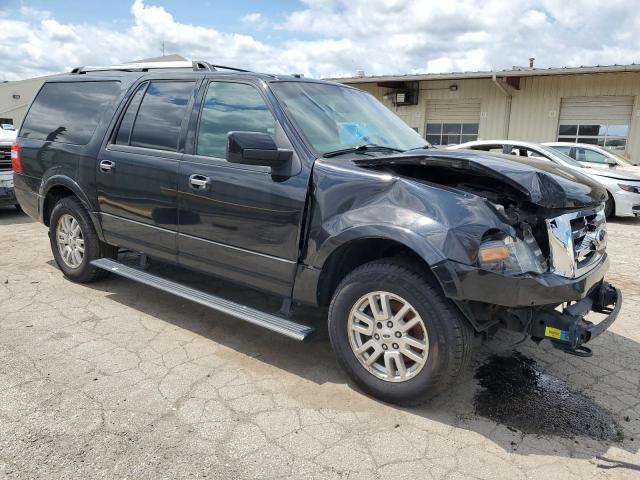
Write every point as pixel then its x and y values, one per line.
pixel 231 68
pixel 196 66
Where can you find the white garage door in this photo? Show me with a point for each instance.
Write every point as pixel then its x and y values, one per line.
pixel 602 121
pixel 450 123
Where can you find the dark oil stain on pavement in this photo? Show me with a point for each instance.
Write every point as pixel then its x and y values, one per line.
pixel 516 392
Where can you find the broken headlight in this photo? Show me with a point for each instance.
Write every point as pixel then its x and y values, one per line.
pixel 505 254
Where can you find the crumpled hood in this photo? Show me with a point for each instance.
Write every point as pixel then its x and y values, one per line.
pixel 540 182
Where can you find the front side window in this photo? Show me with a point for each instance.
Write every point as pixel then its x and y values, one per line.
pixel 586 155
pixel 335 117
pixel 68 112
pixel 609 135
pixel 451 133
pixel 160 115
pixel 230 107
pixel 563 149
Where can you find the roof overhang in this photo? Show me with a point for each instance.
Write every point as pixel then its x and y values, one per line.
pixel 507 74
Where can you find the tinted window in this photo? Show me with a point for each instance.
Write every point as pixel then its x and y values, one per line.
pixel 68 112
pixel 160 115
pixel 231 107
pixel 124 132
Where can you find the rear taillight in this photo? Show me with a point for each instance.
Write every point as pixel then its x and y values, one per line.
pixel 16 161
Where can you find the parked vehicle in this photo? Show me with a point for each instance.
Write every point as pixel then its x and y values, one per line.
pixel 7 137
pixel 314 192
pixel 623 188
pixel 589 155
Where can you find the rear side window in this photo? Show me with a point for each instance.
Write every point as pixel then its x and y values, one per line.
pixel 159 119
pixel 68 112
pixel 124 131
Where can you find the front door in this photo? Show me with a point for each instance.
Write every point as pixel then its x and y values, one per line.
pixel 137 172
pixel 238 221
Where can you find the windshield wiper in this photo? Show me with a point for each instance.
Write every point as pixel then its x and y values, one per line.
pixel 367 147
pixel 423 147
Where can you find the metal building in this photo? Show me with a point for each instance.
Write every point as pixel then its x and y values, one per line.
pixel 586 104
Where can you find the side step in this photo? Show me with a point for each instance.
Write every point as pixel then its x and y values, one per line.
pixel 274 323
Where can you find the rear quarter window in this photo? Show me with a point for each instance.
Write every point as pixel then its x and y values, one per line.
pixel 68 112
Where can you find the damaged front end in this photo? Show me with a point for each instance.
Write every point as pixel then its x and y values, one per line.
pixel 542 271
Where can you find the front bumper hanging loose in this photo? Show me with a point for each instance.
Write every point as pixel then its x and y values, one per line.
pixel 569 330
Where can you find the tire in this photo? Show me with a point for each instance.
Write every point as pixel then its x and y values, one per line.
pixel 82 272
pixel 449 336
pixel 18 207
pixel 609 207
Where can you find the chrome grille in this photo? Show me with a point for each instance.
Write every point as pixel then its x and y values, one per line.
pixel 577 241
pixel 5 158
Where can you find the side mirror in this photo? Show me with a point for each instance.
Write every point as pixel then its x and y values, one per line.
pixel 611 162
pixel 255 148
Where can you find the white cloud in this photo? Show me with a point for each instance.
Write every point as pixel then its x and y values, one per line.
pixel 337 37
pixel 253 18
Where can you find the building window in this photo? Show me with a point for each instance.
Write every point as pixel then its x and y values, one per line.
pixel 451 133
pixel 612 136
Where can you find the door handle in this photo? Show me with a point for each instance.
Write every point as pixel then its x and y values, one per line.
pixel 199 182
pixel 107 165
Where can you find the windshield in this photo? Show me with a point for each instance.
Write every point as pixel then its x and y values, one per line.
pixel 334 118
pixel 625 161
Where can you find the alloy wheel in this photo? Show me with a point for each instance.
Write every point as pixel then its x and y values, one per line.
pixel 70 241
pixel 388 336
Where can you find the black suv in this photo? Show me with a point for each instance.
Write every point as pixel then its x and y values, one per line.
pixel 314 192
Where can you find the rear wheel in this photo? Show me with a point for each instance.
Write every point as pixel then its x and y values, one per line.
pixel 74 242
pixel 396 334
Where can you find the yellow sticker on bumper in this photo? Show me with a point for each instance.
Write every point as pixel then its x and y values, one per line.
pixel 553 332
pixel 556 333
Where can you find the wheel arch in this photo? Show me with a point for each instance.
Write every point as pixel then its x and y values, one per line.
pixel 353 249
pixel 58 187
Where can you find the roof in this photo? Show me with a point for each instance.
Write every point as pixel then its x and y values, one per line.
pixel 515 72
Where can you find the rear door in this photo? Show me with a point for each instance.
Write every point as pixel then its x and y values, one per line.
pixel 238 221
pixel 136 174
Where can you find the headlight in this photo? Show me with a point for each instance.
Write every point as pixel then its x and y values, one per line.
pixel 511 256
pixel 629 188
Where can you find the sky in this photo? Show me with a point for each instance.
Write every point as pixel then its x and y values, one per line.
pixel 318 38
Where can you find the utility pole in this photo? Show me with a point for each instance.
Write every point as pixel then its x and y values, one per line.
pixel 163 48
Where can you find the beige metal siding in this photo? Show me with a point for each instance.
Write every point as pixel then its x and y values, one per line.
pixel 493 103
pixel 15 108
pixel 460 111
pixel 607 109
pixel 536 106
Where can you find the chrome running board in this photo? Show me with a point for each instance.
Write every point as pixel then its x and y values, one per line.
pixel 271 322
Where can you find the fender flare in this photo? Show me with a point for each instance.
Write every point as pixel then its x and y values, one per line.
pixel 59 180
pixel 403 236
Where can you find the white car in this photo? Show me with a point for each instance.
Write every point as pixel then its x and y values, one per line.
pixel 594 156
pixel 7 137
pixel 623 187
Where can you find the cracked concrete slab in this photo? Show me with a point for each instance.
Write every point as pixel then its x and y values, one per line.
pixel 117 380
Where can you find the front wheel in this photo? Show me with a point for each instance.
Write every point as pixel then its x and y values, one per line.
pixel 609 206
pixel 396 334
pixel 75 243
